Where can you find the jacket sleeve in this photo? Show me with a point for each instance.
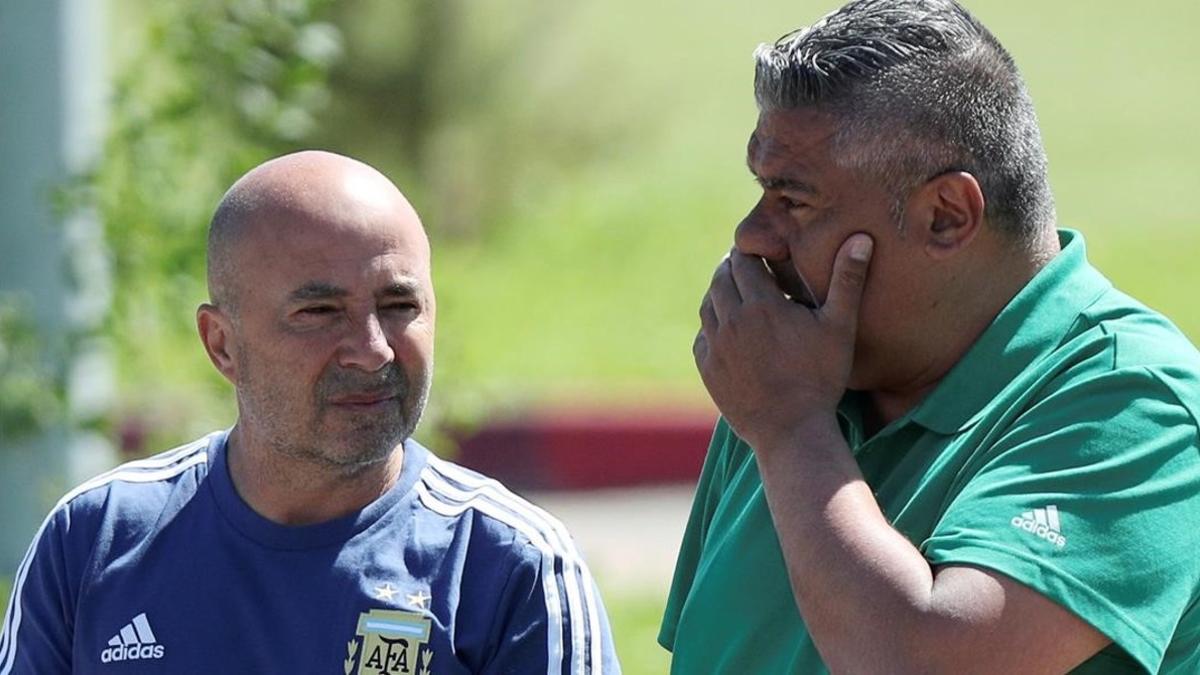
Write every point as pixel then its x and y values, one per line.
pixel 36 636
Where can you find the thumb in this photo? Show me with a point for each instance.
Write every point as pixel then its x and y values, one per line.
pixel 849 279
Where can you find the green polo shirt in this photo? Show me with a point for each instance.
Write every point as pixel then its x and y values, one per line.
pixel 1062 451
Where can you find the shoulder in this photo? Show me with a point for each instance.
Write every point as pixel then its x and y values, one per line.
pixel 1121 389
pixel 111 513
pixel 135 493
pixel 499 517
pixel 1121 348
pixel 546 601
pixel 1144 339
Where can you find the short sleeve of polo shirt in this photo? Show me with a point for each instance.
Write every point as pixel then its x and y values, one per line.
pixel 1090 496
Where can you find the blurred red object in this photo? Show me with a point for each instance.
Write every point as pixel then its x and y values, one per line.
pixel 585 449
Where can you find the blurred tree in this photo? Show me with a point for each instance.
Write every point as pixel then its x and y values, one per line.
pixel 208 89
pixel 31 390
pixel 470 104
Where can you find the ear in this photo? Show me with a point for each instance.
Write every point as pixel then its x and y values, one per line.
pixel 947 211
pixel 216 332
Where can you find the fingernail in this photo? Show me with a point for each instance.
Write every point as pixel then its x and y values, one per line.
pixel 860 248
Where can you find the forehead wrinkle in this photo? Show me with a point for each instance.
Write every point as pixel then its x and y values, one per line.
pixel 777 152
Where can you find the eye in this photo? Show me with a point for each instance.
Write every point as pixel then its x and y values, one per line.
pixel 400 306
pixel 317 310
pixel 790 204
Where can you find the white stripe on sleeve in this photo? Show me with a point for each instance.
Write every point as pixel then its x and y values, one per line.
pixel 586 633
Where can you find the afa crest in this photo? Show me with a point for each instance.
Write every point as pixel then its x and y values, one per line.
pixel 390 643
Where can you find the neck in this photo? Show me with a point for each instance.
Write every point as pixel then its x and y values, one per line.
pixel 969 303
pixel 291 490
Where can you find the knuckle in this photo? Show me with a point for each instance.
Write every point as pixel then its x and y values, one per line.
pixel 853 275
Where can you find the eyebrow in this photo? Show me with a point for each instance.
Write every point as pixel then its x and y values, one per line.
pixel 405 287
pixel 784 183
pixel 320 290
pixel 317 290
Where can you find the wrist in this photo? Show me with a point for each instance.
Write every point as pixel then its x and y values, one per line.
pixel 815 429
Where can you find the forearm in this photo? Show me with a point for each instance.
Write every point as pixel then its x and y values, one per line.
pixel 865 592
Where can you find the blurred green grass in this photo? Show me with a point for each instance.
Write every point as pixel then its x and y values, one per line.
pixel 635 617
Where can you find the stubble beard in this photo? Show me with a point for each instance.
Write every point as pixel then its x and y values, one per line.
pixel 310 432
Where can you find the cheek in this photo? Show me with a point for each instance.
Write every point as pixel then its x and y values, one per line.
pixel 413 344
pixel 814 261
pixel 891 303
pixel 288 361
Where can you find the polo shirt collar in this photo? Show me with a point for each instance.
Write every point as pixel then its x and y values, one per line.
pixel 1033 323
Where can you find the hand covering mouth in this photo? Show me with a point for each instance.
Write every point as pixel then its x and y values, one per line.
pixel 791 283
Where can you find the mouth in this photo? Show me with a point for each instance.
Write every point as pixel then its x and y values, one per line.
pixel 364 401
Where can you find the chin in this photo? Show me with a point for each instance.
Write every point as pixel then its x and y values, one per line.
pixel 357 457
pixel 368 448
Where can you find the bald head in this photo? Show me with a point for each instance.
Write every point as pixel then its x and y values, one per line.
pixel 322 312
pixel 303 190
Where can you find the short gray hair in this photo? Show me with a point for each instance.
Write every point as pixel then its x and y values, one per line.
pixel 227 227
pixel 918 87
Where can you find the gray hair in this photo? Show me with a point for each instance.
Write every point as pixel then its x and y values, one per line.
pixel 225 229
pixel 919 87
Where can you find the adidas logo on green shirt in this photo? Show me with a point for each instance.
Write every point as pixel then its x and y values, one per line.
pixel 1042 522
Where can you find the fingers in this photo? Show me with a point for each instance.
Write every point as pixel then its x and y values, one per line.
pixel 723 295
pixel 753 280
pixel 848 280
pixel 708 314
pixel 700 349
pixel 721 290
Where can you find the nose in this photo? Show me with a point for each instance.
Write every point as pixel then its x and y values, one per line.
pixel 366 346
pixel 755 236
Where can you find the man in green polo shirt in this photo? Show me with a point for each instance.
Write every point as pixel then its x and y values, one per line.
pixel 948 444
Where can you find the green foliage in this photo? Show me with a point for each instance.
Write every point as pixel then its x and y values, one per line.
pixel 466 104
pixel 30 389
pixel 207 90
